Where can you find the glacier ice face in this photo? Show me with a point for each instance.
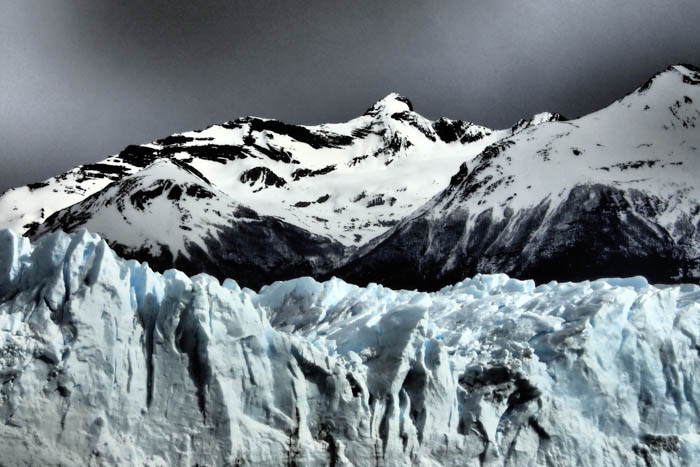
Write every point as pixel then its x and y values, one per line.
pixel 103 361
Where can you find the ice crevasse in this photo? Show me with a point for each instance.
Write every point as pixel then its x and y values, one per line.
pixel 105 362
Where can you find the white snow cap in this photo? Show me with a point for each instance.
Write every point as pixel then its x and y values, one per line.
pixel 392 103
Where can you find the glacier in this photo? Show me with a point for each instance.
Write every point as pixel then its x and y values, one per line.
pixel 105 362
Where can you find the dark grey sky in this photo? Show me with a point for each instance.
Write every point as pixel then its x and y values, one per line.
pixel 79 80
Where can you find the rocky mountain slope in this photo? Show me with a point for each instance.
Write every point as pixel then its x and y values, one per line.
pixel 614 193
pixel 170 215
pixel 260 199
pixel 104 362
pixel 395 198
pixel 349 181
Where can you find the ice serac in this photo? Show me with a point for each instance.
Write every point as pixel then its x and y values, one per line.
pixel 103 361
pixel 614 193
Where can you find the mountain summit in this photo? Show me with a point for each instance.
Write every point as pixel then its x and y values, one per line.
pixel 612 193
pixel 392 103
pixel 347 181
pixel 396 198
pixel 338 184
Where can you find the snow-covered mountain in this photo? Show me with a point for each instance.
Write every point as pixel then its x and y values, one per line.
pixel 395 198
pixel 104 362
pixel 613 193
pixel 170 215
pixel 349 181
pixel 316 192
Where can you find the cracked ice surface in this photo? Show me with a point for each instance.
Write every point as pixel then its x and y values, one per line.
pixel 103 361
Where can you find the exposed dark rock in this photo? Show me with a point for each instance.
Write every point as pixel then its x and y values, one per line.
pixel 448 130
pixel 357 160
pixel 301 173
pixel 140 198
pixel 461 174
pixel 541 432
pixel 212 152
pixel 652 445
pixel 362 132
pixel 635 164
pixel 411 119
pixel 276 153
pixel 376 201
pixel 36 186
pixel 374 110
pixel 596 232
pixel 302 134
pixel 190 169
pixel 359 197
pixel 99 170
pixel 527 123
pixel 255 251
pixel 139 156
pixel 174 139
pixel 175 193
pixel 452 130
pixel 196 191
pixel 264 175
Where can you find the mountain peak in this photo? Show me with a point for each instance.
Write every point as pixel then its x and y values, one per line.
pixel 690 74
pixel 537 119
pixel 392 103
pixel 685 69
pixel 173 169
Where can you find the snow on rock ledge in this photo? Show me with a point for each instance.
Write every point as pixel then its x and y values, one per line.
pixel 104 362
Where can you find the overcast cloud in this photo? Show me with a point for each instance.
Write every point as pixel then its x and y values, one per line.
pixel 79 80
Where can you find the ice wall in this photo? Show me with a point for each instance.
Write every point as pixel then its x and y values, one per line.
pixel 104 362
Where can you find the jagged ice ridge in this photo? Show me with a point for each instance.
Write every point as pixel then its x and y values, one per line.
pixel 103 361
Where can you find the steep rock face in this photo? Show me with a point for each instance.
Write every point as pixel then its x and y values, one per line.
pixel 105 362
pixel 614 193
pixel 171 216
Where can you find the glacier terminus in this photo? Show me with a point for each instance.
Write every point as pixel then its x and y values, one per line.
pixel 105 362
